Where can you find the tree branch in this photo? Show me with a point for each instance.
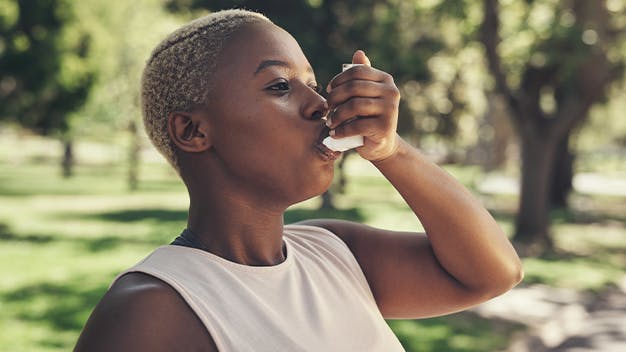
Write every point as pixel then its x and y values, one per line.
pixel 594 77
pixel 595 73
pixel 490 39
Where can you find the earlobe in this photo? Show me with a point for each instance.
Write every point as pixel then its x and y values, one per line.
pixel 188 132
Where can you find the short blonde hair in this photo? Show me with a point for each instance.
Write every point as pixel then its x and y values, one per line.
pixel 177 76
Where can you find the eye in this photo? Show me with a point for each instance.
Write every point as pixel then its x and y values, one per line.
pixel 279 87
pixel 316 87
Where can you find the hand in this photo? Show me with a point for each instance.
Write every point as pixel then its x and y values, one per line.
pixel 371 95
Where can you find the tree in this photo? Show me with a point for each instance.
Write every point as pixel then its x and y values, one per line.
pixel 123 34
pixel 43 76
pixel 399 37
pixel 573 52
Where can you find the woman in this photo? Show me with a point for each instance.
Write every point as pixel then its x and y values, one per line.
pixel 231 101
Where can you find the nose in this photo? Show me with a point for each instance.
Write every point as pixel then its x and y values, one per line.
pixel 316 106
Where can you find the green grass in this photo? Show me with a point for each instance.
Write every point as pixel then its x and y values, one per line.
pixel 62 241
pixel 460 332
pixel 589 256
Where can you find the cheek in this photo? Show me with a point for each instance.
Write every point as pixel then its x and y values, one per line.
pixel 269 131
pixel 270 148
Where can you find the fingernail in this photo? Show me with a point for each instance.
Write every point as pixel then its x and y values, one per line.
pixel 331 133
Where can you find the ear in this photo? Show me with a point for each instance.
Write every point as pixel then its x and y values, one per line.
pixel 189 131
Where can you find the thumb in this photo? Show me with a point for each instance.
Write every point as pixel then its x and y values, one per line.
pixel 359 57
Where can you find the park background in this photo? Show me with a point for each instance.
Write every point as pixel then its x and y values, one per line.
pixel 523 101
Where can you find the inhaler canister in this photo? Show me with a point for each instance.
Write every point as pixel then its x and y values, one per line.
pixel 347 143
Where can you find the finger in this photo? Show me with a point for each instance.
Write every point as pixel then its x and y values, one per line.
pixel 357 106
pixel 358 88
pixel 359 57
pixel 363 126
pixel 363 72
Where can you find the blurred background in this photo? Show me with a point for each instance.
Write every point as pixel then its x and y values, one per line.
pixel 523 101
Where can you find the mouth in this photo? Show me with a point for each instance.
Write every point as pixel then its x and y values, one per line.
pixel 323 150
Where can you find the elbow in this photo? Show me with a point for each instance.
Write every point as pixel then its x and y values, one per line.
pixel 511 275
pixel 496 283
pixel 508 273
pixel 519 273
pixel 515 270
pixel 516 274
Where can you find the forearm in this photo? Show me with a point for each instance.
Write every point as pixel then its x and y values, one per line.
pixel 466 240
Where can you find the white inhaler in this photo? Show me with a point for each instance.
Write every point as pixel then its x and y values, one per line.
pixel 346 143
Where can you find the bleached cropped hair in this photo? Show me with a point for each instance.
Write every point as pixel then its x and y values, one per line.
pixel 178 74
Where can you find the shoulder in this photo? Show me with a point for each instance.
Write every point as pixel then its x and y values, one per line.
pixel 312 231
pixel 346 231
pixel 318 237
pixel 141 312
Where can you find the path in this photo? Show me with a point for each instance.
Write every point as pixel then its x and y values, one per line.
pixel 563 320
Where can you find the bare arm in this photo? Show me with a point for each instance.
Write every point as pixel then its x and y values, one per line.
pixel 142 313
pixel 463 259
pixel 464 237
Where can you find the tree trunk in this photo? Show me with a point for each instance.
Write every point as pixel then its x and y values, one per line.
pixel 341 170
pixel 339 186
pixel 327 201
pixel 562 175
pixel 578 77
pixel 67 163
pixel 133 156
pixel 533 216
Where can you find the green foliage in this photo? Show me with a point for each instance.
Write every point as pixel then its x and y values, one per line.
pixel 456 333
pixel 95 50
pixel 123 35
pixel 579 273
pixel 428 60
pixel 43 76
pixel 558 34
pixel 62 241
pixel 605 132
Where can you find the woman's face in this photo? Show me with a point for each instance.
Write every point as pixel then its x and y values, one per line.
pixel 265 117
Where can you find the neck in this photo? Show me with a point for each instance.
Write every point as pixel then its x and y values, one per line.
pixel 237 229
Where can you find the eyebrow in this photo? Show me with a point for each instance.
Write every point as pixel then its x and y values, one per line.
pixel 268 63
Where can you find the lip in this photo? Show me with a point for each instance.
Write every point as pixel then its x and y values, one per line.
pixel 323 151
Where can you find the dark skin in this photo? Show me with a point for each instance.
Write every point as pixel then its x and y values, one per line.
pixel 247 156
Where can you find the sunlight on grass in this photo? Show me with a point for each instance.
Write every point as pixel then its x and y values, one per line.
pixel 590 257
pixel 455 333
pixel 62 241
pixel 580 273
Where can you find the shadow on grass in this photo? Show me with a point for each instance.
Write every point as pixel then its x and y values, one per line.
pixel 502 215
pixel 160 218
pixel 134 215
pixel 461 332
pixel 111 242
pixel 7 235
pixel 97 244
pixel 63 306
pixel 92 179
pixel 593 272
pixel 167 215
pixel 295 215
pixel 566 216
pixel 569 216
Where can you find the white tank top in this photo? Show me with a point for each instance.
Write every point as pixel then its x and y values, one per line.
pixel 316 300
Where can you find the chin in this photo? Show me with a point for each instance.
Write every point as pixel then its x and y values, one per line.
pixel 314 190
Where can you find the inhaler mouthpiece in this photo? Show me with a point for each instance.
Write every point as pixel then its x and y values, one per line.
pixel 343 144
